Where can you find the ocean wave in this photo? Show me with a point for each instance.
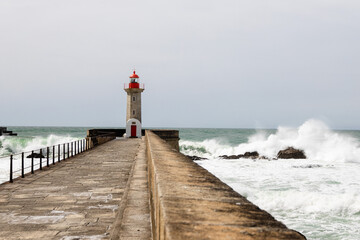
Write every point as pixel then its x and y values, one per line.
pixel 11 144
pixel 317 140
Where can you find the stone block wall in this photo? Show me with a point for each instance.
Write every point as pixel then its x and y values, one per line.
pixel 96 137
pixel 171 137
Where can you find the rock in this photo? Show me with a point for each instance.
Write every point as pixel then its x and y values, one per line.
pixel 35 155
pixel 291 152
pixel 196 158
pixel 251 155
pixel 230 156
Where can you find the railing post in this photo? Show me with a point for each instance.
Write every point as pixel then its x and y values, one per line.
pixel 59 153
pixel 22 165
pixel 41 159
pixel 68 152
pixel 53 154
pixel 32 162
pixel 11 168
pixel 47 156
pixel 64 151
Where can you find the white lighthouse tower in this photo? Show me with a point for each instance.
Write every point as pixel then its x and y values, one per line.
pixel 133 106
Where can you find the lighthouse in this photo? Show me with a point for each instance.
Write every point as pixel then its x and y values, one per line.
pixel 133 106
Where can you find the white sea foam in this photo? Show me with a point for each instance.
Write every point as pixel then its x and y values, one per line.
pixel 309 200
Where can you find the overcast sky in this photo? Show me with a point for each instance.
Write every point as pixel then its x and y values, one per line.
pixel 228 63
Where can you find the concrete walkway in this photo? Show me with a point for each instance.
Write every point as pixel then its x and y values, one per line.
pixel 133 221
pixel 81 198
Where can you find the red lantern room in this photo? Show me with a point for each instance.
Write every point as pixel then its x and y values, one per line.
pixel 134 81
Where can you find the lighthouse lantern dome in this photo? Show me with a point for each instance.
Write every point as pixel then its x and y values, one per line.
pixel 134 77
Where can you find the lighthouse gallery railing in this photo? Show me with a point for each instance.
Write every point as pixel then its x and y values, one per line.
pixel 128 85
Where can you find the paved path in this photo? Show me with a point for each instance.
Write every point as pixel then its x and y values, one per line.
pixel 134 223
pixel 81 198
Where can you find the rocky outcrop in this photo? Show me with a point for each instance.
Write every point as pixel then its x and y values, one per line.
pixel 196 158
pixel 251 155
pixel 288 153
pixel 292 153
pixel 229 156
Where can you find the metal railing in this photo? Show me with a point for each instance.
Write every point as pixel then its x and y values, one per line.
pixel 27 162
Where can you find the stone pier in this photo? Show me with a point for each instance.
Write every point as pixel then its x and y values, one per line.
pixel 131 189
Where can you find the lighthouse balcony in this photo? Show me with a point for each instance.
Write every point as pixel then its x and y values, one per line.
pixel 134 85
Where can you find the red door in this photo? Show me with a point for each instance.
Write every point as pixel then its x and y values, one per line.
pixel 133 130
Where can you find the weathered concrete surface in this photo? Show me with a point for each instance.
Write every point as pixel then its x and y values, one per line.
pixel 75 199
pixel 188 202
pixel 133 220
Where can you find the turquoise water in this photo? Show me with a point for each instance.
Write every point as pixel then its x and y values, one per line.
pixel 318 196
pixel 46 131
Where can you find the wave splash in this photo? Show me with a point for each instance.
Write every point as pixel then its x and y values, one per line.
pixel 317 140
pixel 12 145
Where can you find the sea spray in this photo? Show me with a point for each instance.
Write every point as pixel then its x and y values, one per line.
pixel 11 145
pixel 314 137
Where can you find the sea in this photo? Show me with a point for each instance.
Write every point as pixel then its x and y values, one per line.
pixel 318 196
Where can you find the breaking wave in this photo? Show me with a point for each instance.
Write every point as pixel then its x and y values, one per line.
pixel 314 137
pixel 10 145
